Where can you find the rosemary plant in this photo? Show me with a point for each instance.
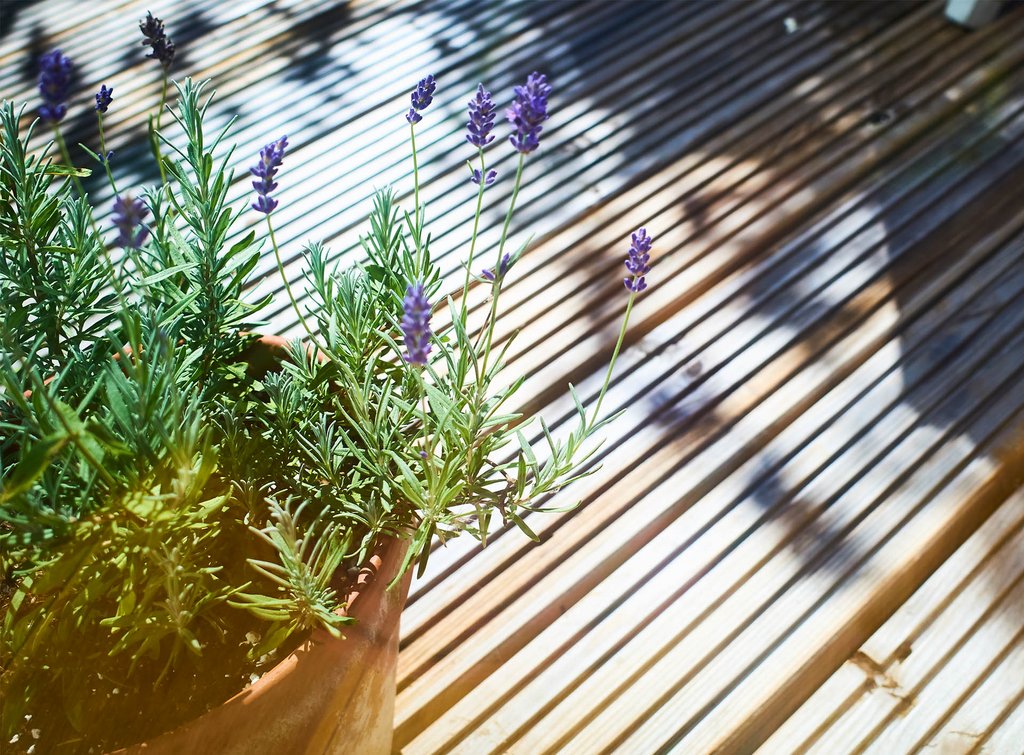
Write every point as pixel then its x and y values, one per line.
pixel 173 511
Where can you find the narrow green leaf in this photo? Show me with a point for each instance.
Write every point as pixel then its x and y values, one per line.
pixel 523 526
pixel 67 170
pixel 32 465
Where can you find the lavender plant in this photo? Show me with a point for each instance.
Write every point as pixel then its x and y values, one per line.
pixel 469 458
pixel 175 499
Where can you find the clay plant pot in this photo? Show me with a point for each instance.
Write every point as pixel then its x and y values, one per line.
pixel 331 695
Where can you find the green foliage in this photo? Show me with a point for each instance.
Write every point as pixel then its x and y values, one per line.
pixel 308 560
pixel 169 483
pixel 114 514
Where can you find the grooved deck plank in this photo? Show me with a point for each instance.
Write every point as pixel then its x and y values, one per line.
pixel 824 385
pixel 932 650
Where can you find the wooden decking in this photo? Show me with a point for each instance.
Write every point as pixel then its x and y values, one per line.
pixel 806 533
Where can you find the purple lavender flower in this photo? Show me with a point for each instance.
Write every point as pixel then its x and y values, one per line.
pixel 477 177
pixel 637 262
pixel 481 118
pixel 55 69
pixel 423 94
pixel 416 324
pixel 271 157
pixel 529 110
pixel 503 267
pixel 103 98
pixel 154 35
pixel 421 97
pixel 128 215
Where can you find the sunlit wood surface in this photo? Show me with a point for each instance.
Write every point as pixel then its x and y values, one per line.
pixel 805 534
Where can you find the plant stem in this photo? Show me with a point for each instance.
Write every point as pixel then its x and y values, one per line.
pixel 496 283
pixel 103 153
pixel 66 157
pixel 472 240
pixel 423 406
pixel 611 363
pixel 288 288
pixel 155 130
pixel 416 200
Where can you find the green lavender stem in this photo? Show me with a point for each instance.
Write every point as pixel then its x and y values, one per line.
pixel 496 283
pixel 472 240
pixel 155 130
pixel 611 363
pixel 288 289
pixel 115 279
pixel 66 157
pixel 103 153
pixel 589 424
pixel 416 200
pixel 427 449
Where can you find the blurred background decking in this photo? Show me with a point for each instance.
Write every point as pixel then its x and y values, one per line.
pixel 807 533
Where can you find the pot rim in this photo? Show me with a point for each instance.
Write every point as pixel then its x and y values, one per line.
pixel 389 552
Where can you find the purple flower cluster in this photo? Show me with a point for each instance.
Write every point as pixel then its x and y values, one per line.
pixel 55 70
pixel 637 263
pixel 128 216
pixel 416 324
pixel 503 267
pixel 421 97
pixel 103 98
pixel 271 157
pixel 481 118
pixel 155 37
pixel 477 177
pixel 529 110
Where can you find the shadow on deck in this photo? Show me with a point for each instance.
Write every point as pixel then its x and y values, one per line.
pixel 823 384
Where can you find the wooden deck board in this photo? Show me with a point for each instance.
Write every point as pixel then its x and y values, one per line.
pixel 969 599
pixel 824 384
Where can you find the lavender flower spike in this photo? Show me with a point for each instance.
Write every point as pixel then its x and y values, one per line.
pixel 154 35
pixel 421 98
pixel 638 261
pixel 416 324
pixel 55 69
pixel 271 157
pixel 477 177
pixel 103 98
pixel 529 110
pixel 481 118
pixel 128 215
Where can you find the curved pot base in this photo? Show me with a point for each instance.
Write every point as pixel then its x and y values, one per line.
pixel 329 696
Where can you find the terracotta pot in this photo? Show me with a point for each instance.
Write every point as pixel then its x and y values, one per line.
pixel 264 354
pixel 329 696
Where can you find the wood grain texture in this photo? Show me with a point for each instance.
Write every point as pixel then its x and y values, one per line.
pixel 808 514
